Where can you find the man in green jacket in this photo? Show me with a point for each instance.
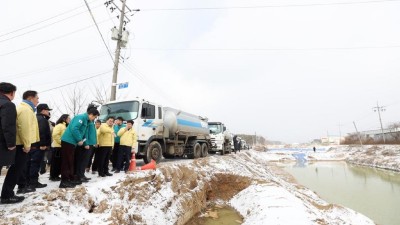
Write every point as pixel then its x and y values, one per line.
pixel 76 134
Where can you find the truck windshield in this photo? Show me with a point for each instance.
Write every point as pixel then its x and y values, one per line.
pixel 214 128
pixel 127 110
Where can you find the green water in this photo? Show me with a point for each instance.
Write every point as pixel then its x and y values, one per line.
pixel 226 216
pixel 372 192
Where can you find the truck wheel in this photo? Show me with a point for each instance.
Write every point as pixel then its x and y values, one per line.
pixel 154 151
pixel 197 150
pixel 204 150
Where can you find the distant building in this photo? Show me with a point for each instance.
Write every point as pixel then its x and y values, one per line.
pixel 376 135
pixel 331 140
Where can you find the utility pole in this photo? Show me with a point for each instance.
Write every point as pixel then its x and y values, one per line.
pixel 379 109
pixel 255 138
pixel 340 133
pixel 117 52
pixel 358 133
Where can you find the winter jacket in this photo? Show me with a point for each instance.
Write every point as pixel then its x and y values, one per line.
pixel 77 129
pixel 8 130
pixel 92 134
pixel 58 131
pixel 116 129
pixel 128 137
pixel 106 136
pixel 27 126
pixel 44 131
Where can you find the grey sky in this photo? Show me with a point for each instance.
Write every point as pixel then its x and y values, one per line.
pixel 306 68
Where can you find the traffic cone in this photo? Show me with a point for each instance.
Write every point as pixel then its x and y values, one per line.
pixel 149 166
pixel 132 166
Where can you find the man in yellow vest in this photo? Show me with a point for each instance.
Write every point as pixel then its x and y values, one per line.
pixel 127 146
pixel 106 137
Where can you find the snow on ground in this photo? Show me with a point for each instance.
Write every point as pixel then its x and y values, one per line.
pixel 177 190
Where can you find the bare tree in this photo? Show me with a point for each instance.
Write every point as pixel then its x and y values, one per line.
pixel 101 94
pixel 75 100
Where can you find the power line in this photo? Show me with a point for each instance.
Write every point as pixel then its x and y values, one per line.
pixel 44 26
pixel 53 67
pixel 268 49
pixel 268 6
pixel 53 39
pixel 42 21
pixel 98 29
pixel 97 75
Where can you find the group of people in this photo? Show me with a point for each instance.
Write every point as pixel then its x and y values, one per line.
pixel 76 145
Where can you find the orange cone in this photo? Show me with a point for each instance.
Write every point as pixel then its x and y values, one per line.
pixel 132 166
pixel 149 166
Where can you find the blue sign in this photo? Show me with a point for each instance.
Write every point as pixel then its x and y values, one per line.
pixel 123 85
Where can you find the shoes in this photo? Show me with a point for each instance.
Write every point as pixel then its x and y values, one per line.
pixel 83 180
pixel 55 178
pixel 113 169
pixel 76 182
pixel 26 190
pixel 102 175
pixel 12 200
pixel 108 174
pixel 39 185
pixel 86 178
pixel 117 171
pixel 66 184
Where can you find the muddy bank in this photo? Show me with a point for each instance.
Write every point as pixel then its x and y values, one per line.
pixel 176 191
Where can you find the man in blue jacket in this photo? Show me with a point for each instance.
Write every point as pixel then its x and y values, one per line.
pixel 75 134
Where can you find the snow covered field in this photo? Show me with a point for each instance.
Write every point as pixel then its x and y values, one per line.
pixel 248 181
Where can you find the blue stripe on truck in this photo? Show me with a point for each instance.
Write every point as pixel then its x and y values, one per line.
pixel 188 123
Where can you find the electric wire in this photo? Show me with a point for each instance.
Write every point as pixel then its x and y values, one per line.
pixel 268 6
pixel 44 26
pixel 98 29
pixel 268 49
pixel 42 21
pixel 87 78
pixel 53 67
pixel 50 40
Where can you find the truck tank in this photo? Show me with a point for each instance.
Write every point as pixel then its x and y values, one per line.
pixel 177 120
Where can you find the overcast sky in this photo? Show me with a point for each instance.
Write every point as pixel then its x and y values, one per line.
pixel 292 71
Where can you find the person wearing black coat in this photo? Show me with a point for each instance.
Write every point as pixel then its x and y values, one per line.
pixel 36 155
pixel 235 143
pixel 8 133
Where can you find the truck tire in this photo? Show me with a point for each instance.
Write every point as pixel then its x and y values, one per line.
pixel 154 151
pixel 204 150
pixel 197 150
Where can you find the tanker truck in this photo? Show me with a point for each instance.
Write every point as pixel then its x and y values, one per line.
pixel 162 131
pixel 220 138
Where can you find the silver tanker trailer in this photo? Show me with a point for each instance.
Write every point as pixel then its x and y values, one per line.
pixel 162 131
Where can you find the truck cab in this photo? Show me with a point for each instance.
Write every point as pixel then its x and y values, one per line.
pixel 220 138
pixel 147 117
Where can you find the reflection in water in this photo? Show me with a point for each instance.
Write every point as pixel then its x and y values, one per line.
pixel 373 192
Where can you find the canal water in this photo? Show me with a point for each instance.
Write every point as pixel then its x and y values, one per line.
pixel 372 192
pixel 224 215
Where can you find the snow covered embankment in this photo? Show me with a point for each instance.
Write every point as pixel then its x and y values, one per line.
pixel 177 190
pixel 384 156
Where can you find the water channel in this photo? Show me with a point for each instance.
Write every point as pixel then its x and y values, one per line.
pixel 372 192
